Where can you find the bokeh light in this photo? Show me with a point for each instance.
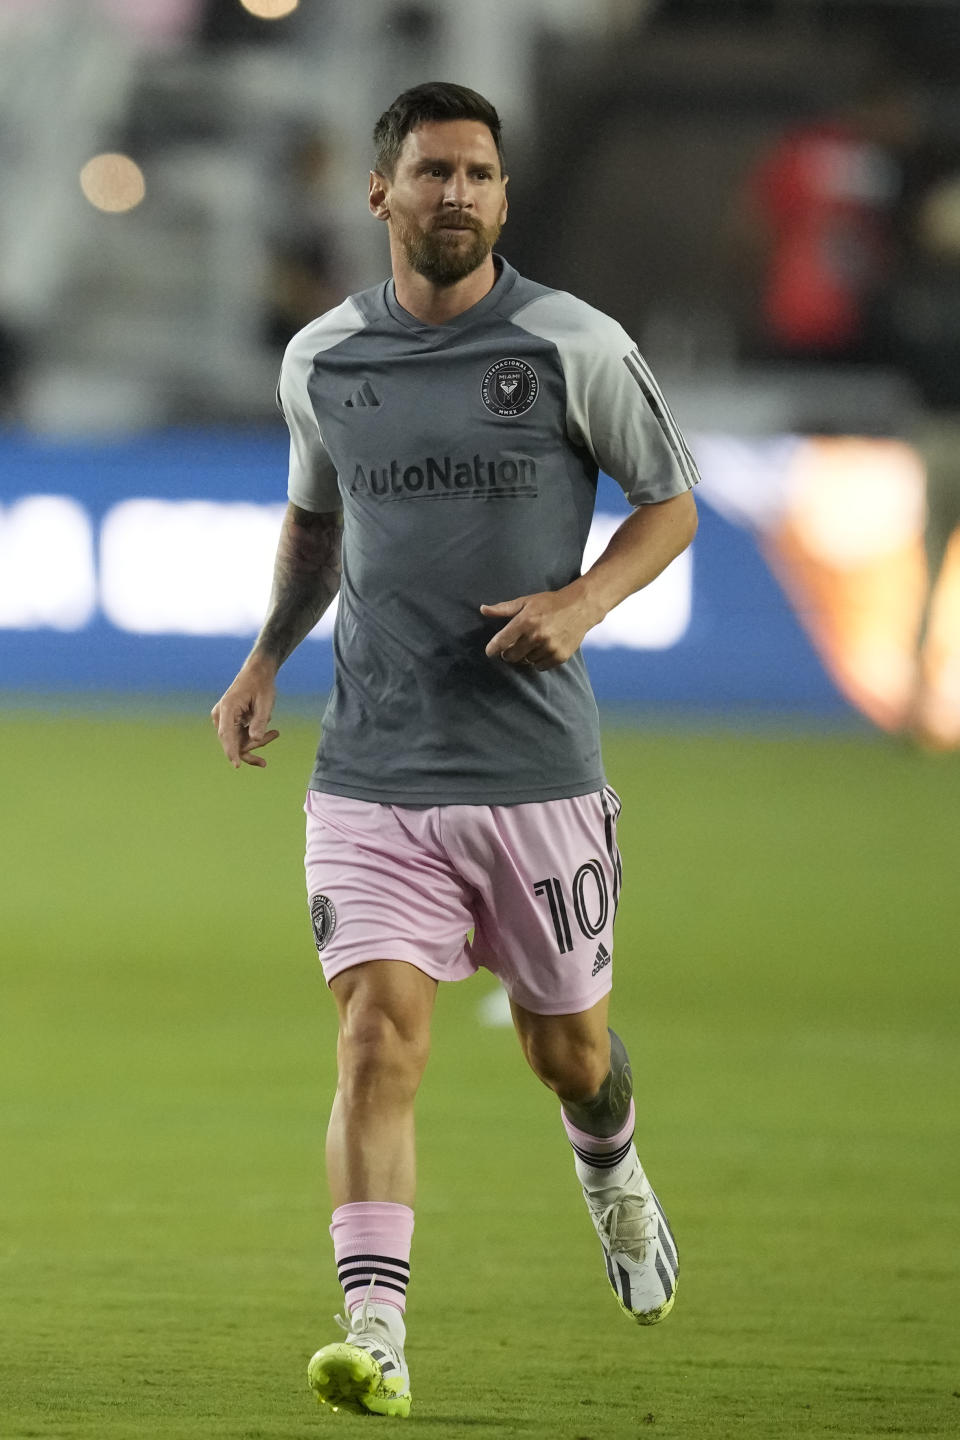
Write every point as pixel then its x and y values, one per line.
pixel 113 183
pixel 270 9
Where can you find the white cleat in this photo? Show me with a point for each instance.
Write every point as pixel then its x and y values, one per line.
pixel 365 1373
pixel 638 1247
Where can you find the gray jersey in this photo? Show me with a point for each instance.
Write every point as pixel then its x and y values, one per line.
pixel 465 458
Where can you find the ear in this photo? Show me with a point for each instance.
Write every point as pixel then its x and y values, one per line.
pixel 378 196
pixel 504 207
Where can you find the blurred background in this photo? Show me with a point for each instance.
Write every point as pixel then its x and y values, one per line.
pixel 765 192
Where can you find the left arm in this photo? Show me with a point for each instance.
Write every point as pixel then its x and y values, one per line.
pixel 544 630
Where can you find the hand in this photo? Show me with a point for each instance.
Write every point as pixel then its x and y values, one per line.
pixel 543 630
pixel 242 714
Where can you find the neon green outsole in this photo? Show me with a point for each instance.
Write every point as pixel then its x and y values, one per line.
pixel 346 1377
pixel 651 1317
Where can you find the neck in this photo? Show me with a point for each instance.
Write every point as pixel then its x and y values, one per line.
pixel 436 304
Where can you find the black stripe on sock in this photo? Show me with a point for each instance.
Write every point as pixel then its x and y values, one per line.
pixel 376 1260
pixel 602 1161
pixel 379 1277
pixel 392 1272
pixel 595 1164
pixel 364 1284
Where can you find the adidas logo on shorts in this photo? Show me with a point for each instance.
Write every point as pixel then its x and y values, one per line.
pixel 603 958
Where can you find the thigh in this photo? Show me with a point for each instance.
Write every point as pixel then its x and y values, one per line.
pixel 379 888
pixel 399 992
pixel 548 879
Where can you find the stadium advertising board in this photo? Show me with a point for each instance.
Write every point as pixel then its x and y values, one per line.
pixel 144 564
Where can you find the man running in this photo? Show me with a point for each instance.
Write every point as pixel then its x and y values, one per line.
pixel 447 428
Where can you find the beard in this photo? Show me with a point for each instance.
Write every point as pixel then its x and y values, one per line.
pixel 442 259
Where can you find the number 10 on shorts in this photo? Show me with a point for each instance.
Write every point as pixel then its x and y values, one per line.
pixel 590 898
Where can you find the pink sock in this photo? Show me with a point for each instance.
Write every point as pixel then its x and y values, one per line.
pixel 371 1241
pixel 602 1154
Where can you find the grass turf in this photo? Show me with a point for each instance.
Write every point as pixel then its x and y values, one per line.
pixel 786 980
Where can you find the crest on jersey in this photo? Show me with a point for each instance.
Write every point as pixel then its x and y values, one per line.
pixel 323 914
pixel 510 387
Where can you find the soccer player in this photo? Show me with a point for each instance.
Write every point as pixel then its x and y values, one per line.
pixel 446 432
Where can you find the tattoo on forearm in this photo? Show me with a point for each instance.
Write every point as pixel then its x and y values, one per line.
pixel 606 1112
pixel 306 577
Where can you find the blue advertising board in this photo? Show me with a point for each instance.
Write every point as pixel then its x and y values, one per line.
pixel 143 564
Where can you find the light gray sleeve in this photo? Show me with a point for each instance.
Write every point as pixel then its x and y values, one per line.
pixel 312 480
pixel 615 408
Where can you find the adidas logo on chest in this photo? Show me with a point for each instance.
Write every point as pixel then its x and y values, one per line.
pixel 366 398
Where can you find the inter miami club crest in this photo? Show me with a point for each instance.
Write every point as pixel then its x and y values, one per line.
pixel 324 916
pixel 510 387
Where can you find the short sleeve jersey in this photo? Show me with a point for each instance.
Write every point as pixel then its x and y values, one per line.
pixel 465 458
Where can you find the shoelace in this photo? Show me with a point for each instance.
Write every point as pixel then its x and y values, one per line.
pixel 636 1230
pixel 358 1322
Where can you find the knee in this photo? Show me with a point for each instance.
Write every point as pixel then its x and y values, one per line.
pixel 377 1051
pixel 573 1072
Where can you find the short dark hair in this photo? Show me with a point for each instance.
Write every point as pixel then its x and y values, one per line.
pixel 436 100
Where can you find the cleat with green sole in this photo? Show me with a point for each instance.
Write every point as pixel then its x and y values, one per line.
pixel 364 1374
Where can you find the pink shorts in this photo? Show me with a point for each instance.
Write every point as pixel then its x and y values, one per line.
pixel 537 885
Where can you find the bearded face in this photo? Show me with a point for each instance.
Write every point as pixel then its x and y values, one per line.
pixel 446 249
pixel 445 201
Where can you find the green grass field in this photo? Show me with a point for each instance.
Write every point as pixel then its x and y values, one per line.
pixel 786 978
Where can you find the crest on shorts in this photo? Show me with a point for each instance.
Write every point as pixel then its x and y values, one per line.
pixel 323 914
pixel 510 387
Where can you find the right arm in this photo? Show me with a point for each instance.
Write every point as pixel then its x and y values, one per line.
pixel 306 577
